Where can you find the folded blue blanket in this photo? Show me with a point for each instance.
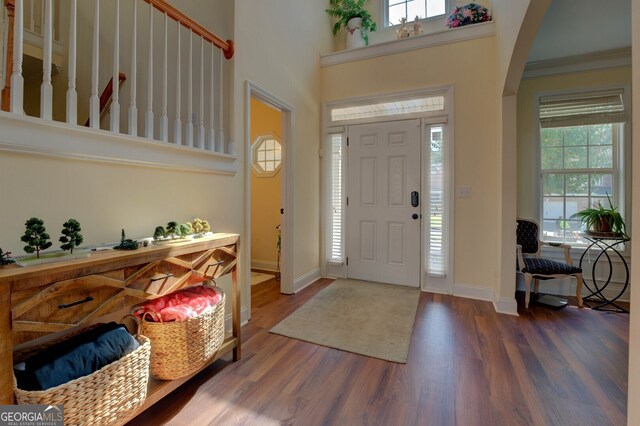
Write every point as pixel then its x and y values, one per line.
pixel 75 357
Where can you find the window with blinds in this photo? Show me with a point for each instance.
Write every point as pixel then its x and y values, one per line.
pixel 581 154
pixel 437 225
pixel 335 243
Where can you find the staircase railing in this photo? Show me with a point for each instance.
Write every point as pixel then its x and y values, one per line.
pixel 203 128
pixel 106 96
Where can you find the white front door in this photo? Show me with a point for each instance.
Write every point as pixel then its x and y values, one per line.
pixel 383 221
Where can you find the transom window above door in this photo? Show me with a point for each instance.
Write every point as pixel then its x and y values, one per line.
pixel 266 155
pixel 395 10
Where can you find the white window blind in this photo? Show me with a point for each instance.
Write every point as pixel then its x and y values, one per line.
pixel 579 109
pixel 336 199
pixel 437 225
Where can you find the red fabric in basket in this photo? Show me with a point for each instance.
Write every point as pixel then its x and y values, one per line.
pixel 180 305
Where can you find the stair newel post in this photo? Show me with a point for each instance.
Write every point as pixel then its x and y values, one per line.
pixel 3 47
pixel 133 110
pixel 164 120
pixel 94 101
pixel 72 95
pixel 148 119
pixel 221 143
pixel 177 139
pixel 17 80
pixel 201 90
pixel 212 102
pixel 115 102
pixel 190 93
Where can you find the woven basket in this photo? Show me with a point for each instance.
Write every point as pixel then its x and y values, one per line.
pixel 109 396
pixel 180 348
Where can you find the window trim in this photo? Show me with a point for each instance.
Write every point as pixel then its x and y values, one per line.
pixel 622 156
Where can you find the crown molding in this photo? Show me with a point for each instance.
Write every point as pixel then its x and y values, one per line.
pixel 608 59
pixel 450 35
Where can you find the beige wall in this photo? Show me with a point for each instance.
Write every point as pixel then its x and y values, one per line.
pixel 528 124
pixel 265 191
pixel 469 67
pixel 282 55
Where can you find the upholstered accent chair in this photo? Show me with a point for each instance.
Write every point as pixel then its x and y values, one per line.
pixel 532 266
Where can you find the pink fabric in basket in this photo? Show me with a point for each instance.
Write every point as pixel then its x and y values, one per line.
pixel 180 305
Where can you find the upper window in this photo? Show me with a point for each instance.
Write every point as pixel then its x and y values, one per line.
pixel 266 155
pixel 398 9
pixel 581 146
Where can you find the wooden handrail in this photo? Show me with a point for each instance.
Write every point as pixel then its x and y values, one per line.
pixel 107 93
pixel 6 90
pixel 226 46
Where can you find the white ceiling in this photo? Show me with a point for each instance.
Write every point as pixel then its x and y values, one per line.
pixel 576 27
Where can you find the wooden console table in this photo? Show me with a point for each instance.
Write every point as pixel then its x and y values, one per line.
pixel 37 302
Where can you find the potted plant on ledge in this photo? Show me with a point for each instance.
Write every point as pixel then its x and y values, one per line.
pixel 602 221
pixel 352 15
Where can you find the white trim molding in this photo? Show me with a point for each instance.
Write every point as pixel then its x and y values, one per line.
pixel 265 265
pixel 476 292
pixel 450 35
pixel 306 280
pixel 29 135
pixel 244 318
pixel 609 59
pixel 507 306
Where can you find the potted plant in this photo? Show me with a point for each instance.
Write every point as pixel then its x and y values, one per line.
pixel 352 15
pixel 602 220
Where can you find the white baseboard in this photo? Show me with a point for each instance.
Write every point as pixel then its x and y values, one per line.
pixel 473 292
pixel 265 265
pixel 306 280
pixel 507 306
pixel 244 318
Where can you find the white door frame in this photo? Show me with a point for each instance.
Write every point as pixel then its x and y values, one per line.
pixel 252 90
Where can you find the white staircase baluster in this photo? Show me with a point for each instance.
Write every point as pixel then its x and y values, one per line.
pixel 17 80
pixel 164 120
pixel 115 102
pixel 212 102
pixel 221 143
pixel 201 90
pixel 32 20
pixel 94 101
pixel 190 93
pixel 133 110
pixel 46 89
pixel 148 119
pixel 177 125
pixel 72 95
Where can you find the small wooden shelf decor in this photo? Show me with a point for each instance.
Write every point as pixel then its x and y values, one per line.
pixel 41 302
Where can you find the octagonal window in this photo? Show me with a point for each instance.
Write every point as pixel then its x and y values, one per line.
pixel 266 155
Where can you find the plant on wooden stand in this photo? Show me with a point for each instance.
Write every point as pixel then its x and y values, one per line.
pixel 603 220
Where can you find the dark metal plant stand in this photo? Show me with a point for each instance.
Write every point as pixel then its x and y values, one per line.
pixel 606 244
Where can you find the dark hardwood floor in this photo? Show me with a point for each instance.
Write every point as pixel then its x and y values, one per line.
pixel 467 366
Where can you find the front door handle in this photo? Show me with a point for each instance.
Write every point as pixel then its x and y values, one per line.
pixel 415 216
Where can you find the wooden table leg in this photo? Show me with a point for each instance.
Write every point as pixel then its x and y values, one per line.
pixel 235 304
pixel 6 352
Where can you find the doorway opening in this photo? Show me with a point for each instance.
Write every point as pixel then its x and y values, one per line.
pixel 268 185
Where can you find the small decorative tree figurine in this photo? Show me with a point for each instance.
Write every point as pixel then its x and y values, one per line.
pixel 200 227
pixel 71 236
pixel 159 233
pixel 36 237
pixel 126 244
pixel 185 229
pixel 172 229
pixel 5 258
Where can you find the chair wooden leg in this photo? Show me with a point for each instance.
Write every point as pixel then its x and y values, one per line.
pixel 527 289
pixel 579 289
pixel 536 286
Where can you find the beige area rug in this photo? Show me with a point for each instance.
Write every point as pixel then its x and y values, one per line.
pixel 259 277
pixel 366 318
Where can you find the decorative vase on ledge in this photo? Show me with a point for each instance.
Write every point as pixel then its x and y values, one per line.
pixel 354 35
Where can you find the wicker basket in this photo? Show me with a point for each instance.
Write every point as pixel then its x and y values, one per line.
pixel 109 396
pixel 180 348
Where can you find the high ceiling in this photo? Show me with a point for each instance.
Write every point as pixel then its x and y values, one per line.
pixel 576 27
